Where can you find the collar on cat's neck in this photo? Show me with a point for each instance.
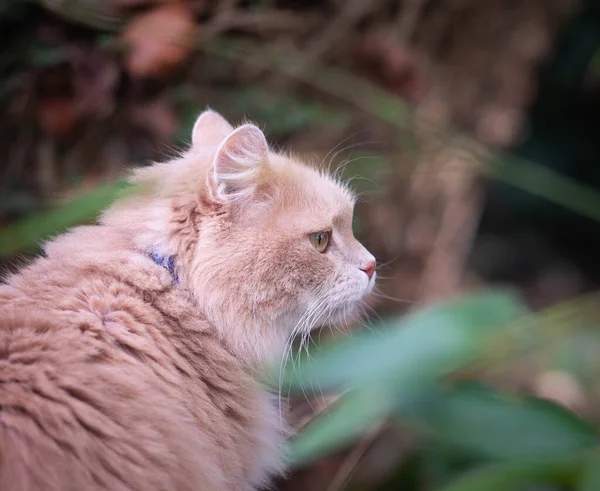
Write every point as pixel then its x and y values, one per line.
pixel 167 262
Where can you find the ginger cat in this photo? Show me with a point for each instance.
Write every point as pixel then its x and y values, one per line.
pixel 129 352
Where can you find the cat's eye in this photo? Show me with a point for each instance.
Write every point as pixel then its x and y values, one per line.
pixel 320 240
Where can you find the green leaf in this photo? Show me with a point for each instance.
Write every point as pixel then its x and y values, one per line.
pixel 284 114
pixel 419 347
pixel 537 180
pixel 394 368
pixel 514 475
pixel 590 476
pixel 490 424
pixel 354 413
pixel 30 231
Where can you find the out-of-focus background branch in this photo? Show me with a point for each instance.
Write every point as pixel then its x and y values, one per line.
pixel 470 130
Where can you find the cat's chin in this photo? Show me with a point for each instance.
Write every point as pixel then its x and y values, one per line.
pixel 343 316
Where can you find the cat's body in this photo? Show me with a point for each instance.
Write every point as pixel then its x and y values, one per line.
pixel 118 372
pixel 111 379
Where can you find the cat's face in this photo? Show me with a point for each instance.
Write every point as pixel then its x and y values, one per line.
pixel 312 219
pixel 274 251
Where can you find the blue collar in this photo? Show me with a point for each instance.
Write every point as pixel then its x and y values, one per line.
pixel 167 262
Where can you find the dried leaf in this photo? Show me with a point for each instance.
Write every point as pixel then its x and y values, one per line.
pixel 56 115
pixel 83 86
pixel 393 64
pixel 56 112
pixel 160 40
pixel 95 77
pixel 157 117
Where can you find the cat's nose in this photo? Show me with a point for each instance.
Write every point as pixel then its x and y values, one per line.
pixel 369 268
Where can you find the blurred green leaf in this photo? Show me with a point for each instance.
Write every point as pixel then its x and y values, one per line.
pixel 490 424
pixel 43 55
pixel 17 202
pixel 355 413
pixel 540 181
pixel 29 232
pixel 419 347
pixel 390 368
pixel 590 476
pixel 514 475
pixel 365 171
pixel 284 114
pixel 398 368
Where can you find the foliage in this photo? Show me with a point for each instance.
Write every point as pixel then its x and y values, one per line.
pixel 409 371
pixel 26 234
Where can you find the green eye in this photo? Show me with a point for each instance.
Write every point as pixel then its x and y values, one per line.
pixel 320 240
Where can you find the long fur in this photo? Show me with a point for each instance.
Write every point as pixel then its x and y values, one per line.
pixel 115 375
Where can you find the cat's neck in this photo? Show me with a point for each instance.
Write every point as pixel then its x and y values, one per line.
pixel 257 334
pixel 113 252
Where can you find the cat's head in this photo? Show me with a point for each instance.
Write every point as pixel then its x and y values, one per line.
pixel 264 242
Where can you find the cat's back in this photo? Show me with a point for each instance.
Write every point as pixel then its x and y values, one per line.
pixel 92 394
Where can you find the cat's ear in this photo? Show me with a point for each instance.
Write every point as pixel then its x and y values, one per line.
pixel 210 128
pixel 238 164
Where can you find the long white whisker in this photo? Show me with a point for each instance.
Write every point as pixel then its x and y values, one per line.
pixel 340 143
pixel 288 355
pixel 379 294
pixel 300 326
pixel 337 171
pixel 317 313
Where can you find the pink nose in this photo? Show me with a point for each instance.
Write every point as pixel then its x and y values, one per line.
pixel 369 268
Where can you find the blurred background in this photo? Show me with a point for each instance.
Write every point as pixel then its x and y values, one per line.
pixel 471 131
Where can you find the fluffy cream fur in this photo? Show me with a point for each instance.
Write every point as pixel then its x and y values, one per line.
pixel 116 375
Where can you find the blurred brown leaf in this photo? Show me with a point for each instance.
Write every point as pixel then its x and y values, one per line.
pixel 160 40
pixel 83 86
pixel 57 115
pixel 95 81
pixel 157 117
pixel 392 63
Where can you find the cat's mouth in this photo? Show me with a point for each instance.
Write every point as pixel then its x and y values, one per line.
pixel 370 285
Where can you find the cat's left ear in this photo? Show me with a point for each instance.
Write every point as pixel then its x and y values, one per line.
pixel 210 129
pixel 238 165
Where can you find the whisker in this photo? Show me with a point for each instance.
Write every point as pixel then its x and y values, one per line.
pixel 288 355
pixel 385 278
pixel 338 144
pixel 347 162
pixel 387 263
pixel 378 294
pixel 309 317
pixel 338 170
pixel 368 323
